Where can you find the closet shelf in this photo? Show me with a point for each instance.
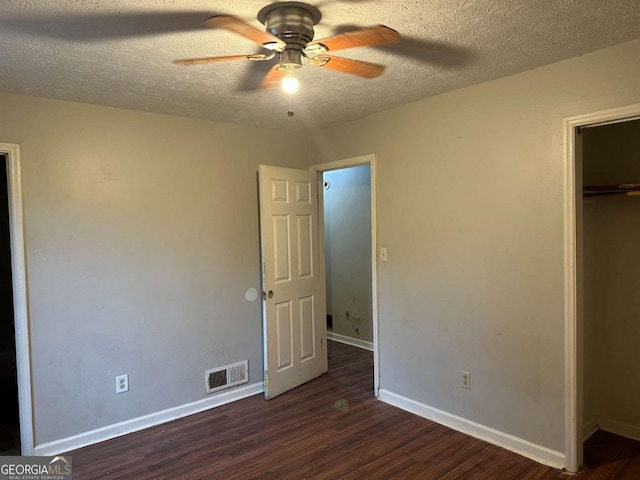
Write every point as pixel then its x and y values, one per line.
pixel 624 188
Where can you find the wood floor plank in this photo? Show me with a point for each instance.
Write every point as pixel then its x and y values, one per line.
pixel 330 428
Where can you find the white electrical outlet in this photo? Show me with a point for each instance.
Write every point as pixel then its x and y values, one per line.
pixel 122 383
pixel 466 380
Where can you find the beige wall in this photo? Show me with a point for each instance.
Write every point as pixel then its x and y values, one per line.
pixel 141 240
pixel 470 206
pixel 142 237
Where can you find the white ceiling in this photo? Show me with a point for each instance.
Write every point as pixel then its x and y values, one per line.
pixel 119 52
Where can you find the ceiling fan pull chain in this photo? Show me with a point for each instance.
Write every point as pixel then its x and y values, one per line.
pixel 291 113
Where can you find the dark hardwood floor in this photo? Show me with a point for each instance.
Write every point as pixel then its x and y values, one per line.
pixel 330 428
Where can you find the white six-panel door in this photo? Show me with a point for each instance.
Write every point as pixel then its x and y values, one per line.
pixel 293 309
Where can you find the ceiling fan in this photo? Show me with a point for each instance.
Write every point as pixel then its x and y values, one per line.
pixel 289 35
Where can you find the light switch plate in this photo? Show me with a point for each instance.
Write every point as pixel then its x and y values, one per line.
pixel 383 254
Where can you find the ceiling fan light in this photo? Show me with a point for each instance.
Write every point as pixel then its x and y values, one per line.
pixel 290 83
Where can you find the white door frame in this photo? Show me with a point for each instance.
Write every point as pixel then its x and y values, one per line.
pixel 346 163
pixel 573 321
pixel 21 316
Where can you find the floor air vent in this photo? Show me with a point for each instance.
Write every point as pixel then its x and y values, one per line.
pixel 226 377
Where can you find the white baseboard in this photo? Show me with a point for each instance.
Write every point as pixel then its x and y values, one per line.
pixel 589 427
pixel 129 426
pixel 620 428
pixel 522 447
pixel 354 342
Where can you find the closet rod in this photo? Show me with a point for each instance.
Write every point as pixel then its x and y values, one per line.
pixel 632 189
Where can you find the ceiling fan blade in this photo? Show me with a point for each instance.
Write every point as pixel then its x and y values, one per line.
pixel 274 77
pixel 240 27
pixel 353 67
pixel 96 27
pixel 364 37
pixel 200 61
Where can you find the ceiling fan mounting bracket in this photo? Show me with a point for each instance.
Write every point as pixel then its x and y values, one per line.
pixel 312 11
pixel 291 22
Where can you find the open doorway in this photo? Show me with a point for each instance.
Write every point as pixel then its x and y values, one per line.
pixel 293 270
pixel 9 423
pixel 347 255
pixel 349 252
pixel 11 168
pixel 611 262
pixel 600 183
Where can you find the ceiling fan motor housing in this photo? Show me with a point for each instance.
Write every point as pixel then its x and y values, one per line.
pixel 291 22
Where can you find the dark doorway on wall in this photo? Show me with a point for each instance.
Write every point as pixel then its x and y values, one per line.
pixel 9 423
pixel 611 259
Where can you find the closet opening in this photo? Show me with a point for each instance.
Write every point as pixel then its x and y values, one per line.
pixel 600 229
pixel 610 245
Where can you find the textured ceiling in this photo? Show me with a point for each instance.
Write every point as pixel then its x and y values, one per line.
pixel 119 52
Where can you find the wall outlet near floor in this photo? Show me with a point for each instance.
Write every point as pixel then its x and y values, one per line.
pixel 466 380
pixel 122 383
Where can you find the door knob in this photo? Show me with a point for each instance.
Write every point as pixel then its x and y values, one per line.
pixel 270 294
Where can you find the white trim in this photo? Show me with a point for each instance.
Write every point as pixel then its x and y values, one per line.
pixel 520 446
pixel 589 427
pixel 135 424
pixel 374 275
pixel 573 445
pixel 572 326
pixel 354 342
pixel 21 313
pixel 620 428
pixel 322 270
pixel 369 159
pixel 344 163
pixel 626 430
